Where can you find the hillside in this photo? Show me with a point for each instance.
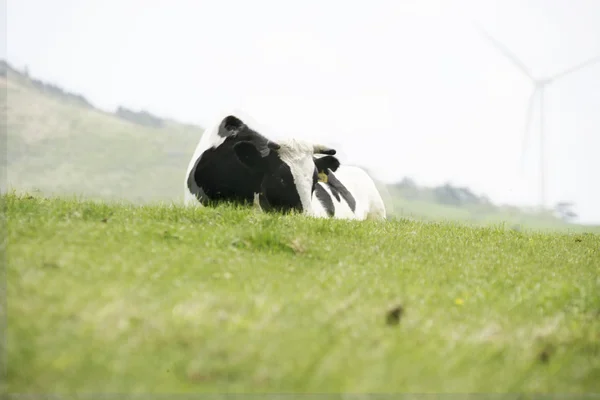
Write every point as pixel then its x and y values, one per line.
pixel 121 299
pixel 459 204
pixel 59 143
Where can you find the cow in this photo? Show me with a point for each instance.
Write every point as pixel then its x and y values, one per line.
pixel 232 162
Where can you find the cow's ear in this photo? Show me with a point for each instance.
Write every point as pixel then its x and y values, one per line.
pixel 327 162
pixel 230 126
pixel 249 155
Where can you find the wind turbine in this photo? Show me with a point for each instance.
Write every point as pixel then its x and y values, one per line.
pixel 540 85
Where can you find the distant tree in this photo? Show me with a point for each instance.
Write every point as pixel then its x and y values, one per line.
pixel 458 196
pixel 407 188
pixel 446 194
pixel 407 182
pixel 142 117
pixel 57 91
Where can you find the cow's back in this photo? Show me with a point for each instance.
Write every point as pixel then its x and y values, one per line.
pixel 369 203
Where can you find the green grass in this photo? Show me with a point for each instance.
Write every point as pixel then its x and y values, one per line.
pixel 119 298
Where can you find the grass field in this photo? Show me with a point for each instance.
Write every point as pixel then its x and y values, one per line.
pixel 119 298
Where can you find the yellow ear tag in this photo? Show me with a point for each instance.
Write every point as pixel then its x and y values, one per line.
pixel 322 177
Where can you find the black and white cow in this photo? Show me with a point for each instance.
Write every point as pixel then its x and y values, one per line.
pixel 233 162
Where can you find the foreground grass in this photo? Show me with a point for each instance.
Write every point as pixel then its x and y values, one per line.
pixel 107 298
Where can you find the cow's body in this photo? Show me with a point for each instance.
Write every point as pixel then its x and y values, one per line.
pixel 232 162
pixel 349 193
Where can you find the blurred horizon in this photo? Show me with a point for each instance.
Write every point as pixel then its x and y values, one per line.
pixel 406 89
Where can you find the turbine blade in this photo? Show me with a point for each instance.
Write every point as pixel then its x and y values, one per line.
pixel 504 50
pixel 575 68
pixel 528 118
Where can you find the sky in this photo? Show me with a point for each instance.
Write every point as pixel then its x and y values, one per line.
pixel 401 87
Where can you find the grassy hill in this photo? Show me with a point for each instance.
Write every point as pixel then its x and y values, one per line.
pixel 104 298
pixel 481 214
pixel 59 143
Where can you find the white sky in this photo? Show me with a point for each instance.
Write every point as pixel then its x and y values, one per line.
pixel 405 88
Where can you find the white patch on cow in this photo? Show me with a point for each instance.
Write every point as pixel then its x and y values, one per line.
pixel 298 155
pixel 369 204
pixel 210 139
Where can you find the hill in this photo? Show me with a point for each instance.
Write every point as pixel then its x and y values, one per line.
pixel 59 143
pixel 107 298
pixel 453 203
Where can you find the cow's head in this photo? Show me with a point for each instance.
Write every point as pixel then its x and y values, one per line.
pixel 290 171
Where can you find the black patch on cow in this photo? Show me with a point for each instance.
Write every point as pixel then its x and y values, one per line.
pixel 338 189
pixel 190 180
pixel 220 173
pixel 325 199
pixel 222 177
pixel 280 189
pixel 331 152
pixel 327 162
pixel 277 184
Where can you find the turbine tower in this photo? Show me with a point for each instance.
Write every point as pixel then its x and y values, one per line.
pixel 539 88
